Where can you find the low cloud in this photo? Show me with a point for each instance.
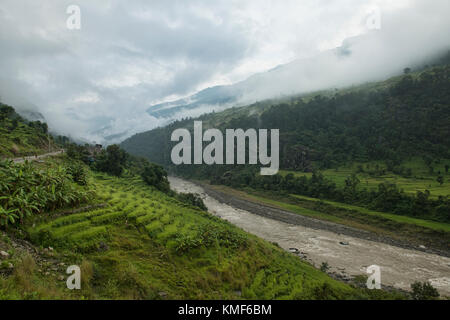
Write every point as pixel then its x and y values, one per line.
pixel 98 81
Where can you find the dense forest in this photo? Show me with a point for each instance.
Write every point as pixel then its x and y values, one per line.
pixel 409 118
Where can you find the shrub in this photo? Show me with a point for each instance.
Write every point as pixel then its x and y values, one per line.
pixel 325 292
pixel 111 161
pixel 324 267
pixel 424 291
pixel 26 190
pixel 208 235
pixel 192 199
pixel 186 243
pixel 156 176
pixel 78 173
pixel 78 152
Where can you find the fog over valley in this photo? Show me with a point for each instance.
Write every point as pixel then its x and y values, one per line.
pixel 135 66
pixel 223 151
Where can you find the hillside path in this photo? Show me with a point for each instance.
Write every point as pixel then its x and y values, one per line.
pixel 31 158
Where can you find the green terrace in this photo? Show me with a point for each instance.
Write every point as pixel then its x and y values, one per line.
pixel 128 202
pixel 420 178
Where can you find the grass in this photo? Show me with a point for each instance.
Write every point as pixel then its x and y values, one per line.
pixel 22 141
pixel 420 180
pixel 147 245
pixel 433 225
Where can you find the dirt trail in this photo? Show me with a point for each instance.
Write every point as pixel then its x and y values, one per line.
pixel 42 156
pixel 399 266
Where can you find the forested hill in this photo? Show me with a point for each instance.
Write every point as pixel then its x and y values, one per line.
pixel 20 137
pixel 393 120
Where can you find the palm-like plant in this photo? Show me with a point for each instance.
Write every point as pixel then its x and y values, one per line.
pixel 26 190
pixel 7 216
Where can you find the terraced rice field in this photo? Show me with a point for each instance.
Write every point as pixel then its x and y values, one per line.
pixel 129 202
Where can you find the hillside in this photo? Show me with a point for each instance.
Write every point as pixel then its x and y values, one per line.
pixel 393 120
pixel 19 137
pixel 134 238
pixel 132 241
pixel 361 146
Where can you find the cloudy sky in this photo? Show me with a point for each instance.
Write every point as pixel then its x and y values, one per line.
pixel 131 54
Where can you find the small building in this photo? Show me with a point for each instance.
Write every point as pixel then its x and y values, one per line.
pixel 94 149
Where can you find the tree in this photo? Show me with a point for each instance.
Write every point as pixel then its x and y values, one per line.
pixel 78 173
pixel 6 111
pixel 44 127
pixel 424 291
pixel 156 176
pixel 407 70
pixel 112 160
pixel 192 199
pixel 78 152
pixel 428 160
pixel 15 124
pixel 351 183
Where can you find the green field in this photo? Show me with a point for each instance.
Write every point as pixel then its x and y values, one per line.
pixel 420 180
pixel 438 226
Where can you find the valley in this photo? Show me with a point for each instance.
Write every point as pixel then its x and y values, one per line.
pixel 363 179
pixel 225 156
pixel 308 232
pixel 319 242
pixel 133 241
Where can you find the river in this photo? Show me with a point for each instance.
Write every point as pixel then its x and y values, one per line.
pixel 347 256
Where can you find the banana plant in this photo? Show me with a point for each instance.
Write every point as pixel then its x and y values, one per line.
pixel 7 216
pixel 26 190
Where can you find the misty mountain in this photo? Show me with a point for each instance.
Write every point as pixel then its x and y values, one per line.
pixel 108 138
pixel 359 59
pixel 214 96
pixel 391 121
pixel 31 114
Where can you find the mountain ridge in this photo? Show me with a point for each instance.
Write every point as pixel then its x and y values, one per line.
pixel 299 76
pixel 366 100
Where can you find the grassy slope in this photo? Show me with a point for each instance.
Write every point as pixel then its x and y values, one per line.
pixel 22 141
pixel 139 229
pixel 438 226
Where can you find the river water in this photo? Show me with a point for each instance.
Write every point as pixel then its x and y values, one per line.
pixel 399 267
